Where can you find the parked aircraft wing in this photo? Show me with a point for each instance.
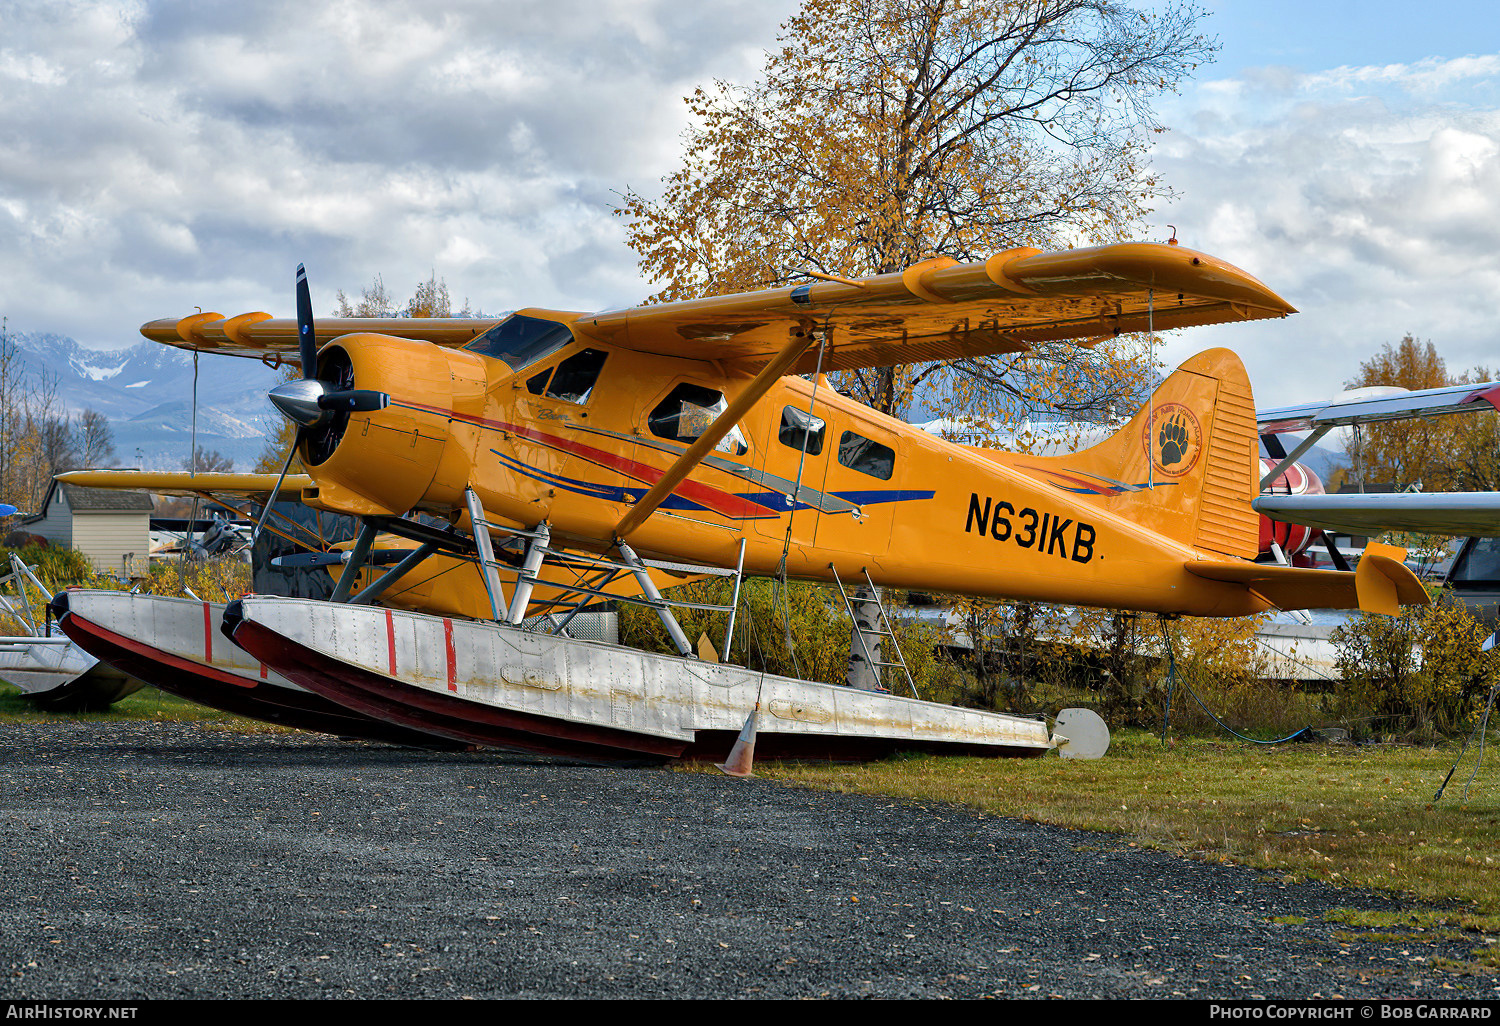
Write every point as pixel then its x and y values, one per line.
pixel 1366 406
pixel 941 309
pixel 1381 583
pixel 1469 514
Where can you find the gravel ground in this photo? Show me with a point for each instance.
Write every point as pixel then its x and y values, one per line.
pixel 169 860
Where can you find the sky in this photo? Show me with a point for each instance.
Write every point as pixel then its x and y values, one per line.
pixel 164 156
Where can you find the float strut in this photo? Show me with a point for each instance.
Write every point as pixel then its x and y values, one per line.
pixel 536 551
pixel 643 577
pixel 488 564
pixel 358 553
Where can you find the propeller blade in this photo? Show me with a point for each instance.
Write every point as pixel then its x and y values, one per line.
pixel 356 400
pixel 302 560
pixel 307 341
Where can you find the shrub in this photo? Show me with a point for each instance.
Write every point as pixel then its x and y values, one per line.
pixel 1016 651
pixel 1419 673
pixel 802 630
pixel 215 579
pixel 1122 671
pixel 57 568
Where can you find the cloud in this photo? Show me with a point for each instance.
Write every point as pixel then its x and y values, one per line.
pixel 158 157
pixel 1368 197
pixel 1431 76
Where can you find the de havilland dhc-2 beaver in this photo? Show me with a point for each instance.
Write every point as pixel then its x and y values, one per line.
pixel 682 437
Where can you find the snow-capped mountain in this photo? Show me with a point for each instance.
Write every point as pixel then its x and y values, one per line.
pixel 146 392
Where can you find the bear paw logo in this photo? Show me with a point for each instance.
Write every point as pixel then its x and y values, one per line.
pixel 1173 440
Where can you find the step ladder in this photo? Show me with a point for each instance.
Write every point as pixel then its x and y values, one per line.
pixel 884 631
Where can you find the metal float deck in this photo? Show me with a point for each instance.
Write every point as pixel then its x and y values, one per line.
pixel 498 684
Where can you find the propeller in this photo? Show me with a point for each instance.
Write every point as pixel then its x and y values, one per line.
pixel 309 402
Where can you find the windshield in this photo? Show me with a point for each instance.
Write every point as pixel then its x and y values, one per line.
pixel 521 341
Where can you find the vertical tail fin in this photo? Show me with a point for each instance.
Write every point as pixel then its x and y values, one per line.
pixel 1185 466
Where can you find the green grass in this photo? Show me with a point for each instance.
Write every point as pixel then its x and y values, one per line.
pixel 1419 926
pixel 1361 815
pixel 1350 815
pixel 146 704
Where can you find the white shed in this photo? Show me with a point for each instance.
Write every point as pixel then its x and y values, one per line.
pixel 111 528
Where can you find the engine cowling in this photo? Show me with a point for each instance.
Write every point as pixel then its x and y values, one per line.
pixel 387 462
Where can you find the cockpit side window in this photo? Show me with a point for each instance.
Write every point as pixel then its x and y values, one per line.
pixel 1477 567
pixel 572 381
pixel 688 411
pixel 575 377
pixel 521 341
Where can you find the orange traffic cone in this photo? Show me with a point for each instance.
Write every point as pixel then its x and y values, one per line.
pixel 742 755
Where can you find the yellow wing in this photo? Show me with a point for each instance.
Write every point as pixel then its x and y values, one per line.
pixel 941 309
pixel 274 339
pixel 936 310
pixel 180 482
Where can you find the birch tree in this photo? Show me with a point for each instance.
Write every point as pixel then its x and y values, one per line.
pixel 882 132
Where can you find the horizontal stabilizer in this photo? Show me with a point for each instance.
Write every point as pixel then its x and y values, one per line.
pixel 1382 584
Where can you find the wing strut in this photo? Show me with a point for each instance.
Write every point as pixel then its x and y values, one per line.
pixel 1291 457
pixel 732 415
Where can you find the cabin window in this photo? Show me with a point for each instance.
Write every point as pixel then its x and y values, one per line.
pixel 572 380
pixel 688 411
pixel 802 431
pixel 521 341
pixel 859 453
pixel 1477 567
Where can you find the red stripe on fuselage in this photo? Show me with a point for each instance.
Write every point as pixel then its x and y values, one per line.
pixel 724 503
